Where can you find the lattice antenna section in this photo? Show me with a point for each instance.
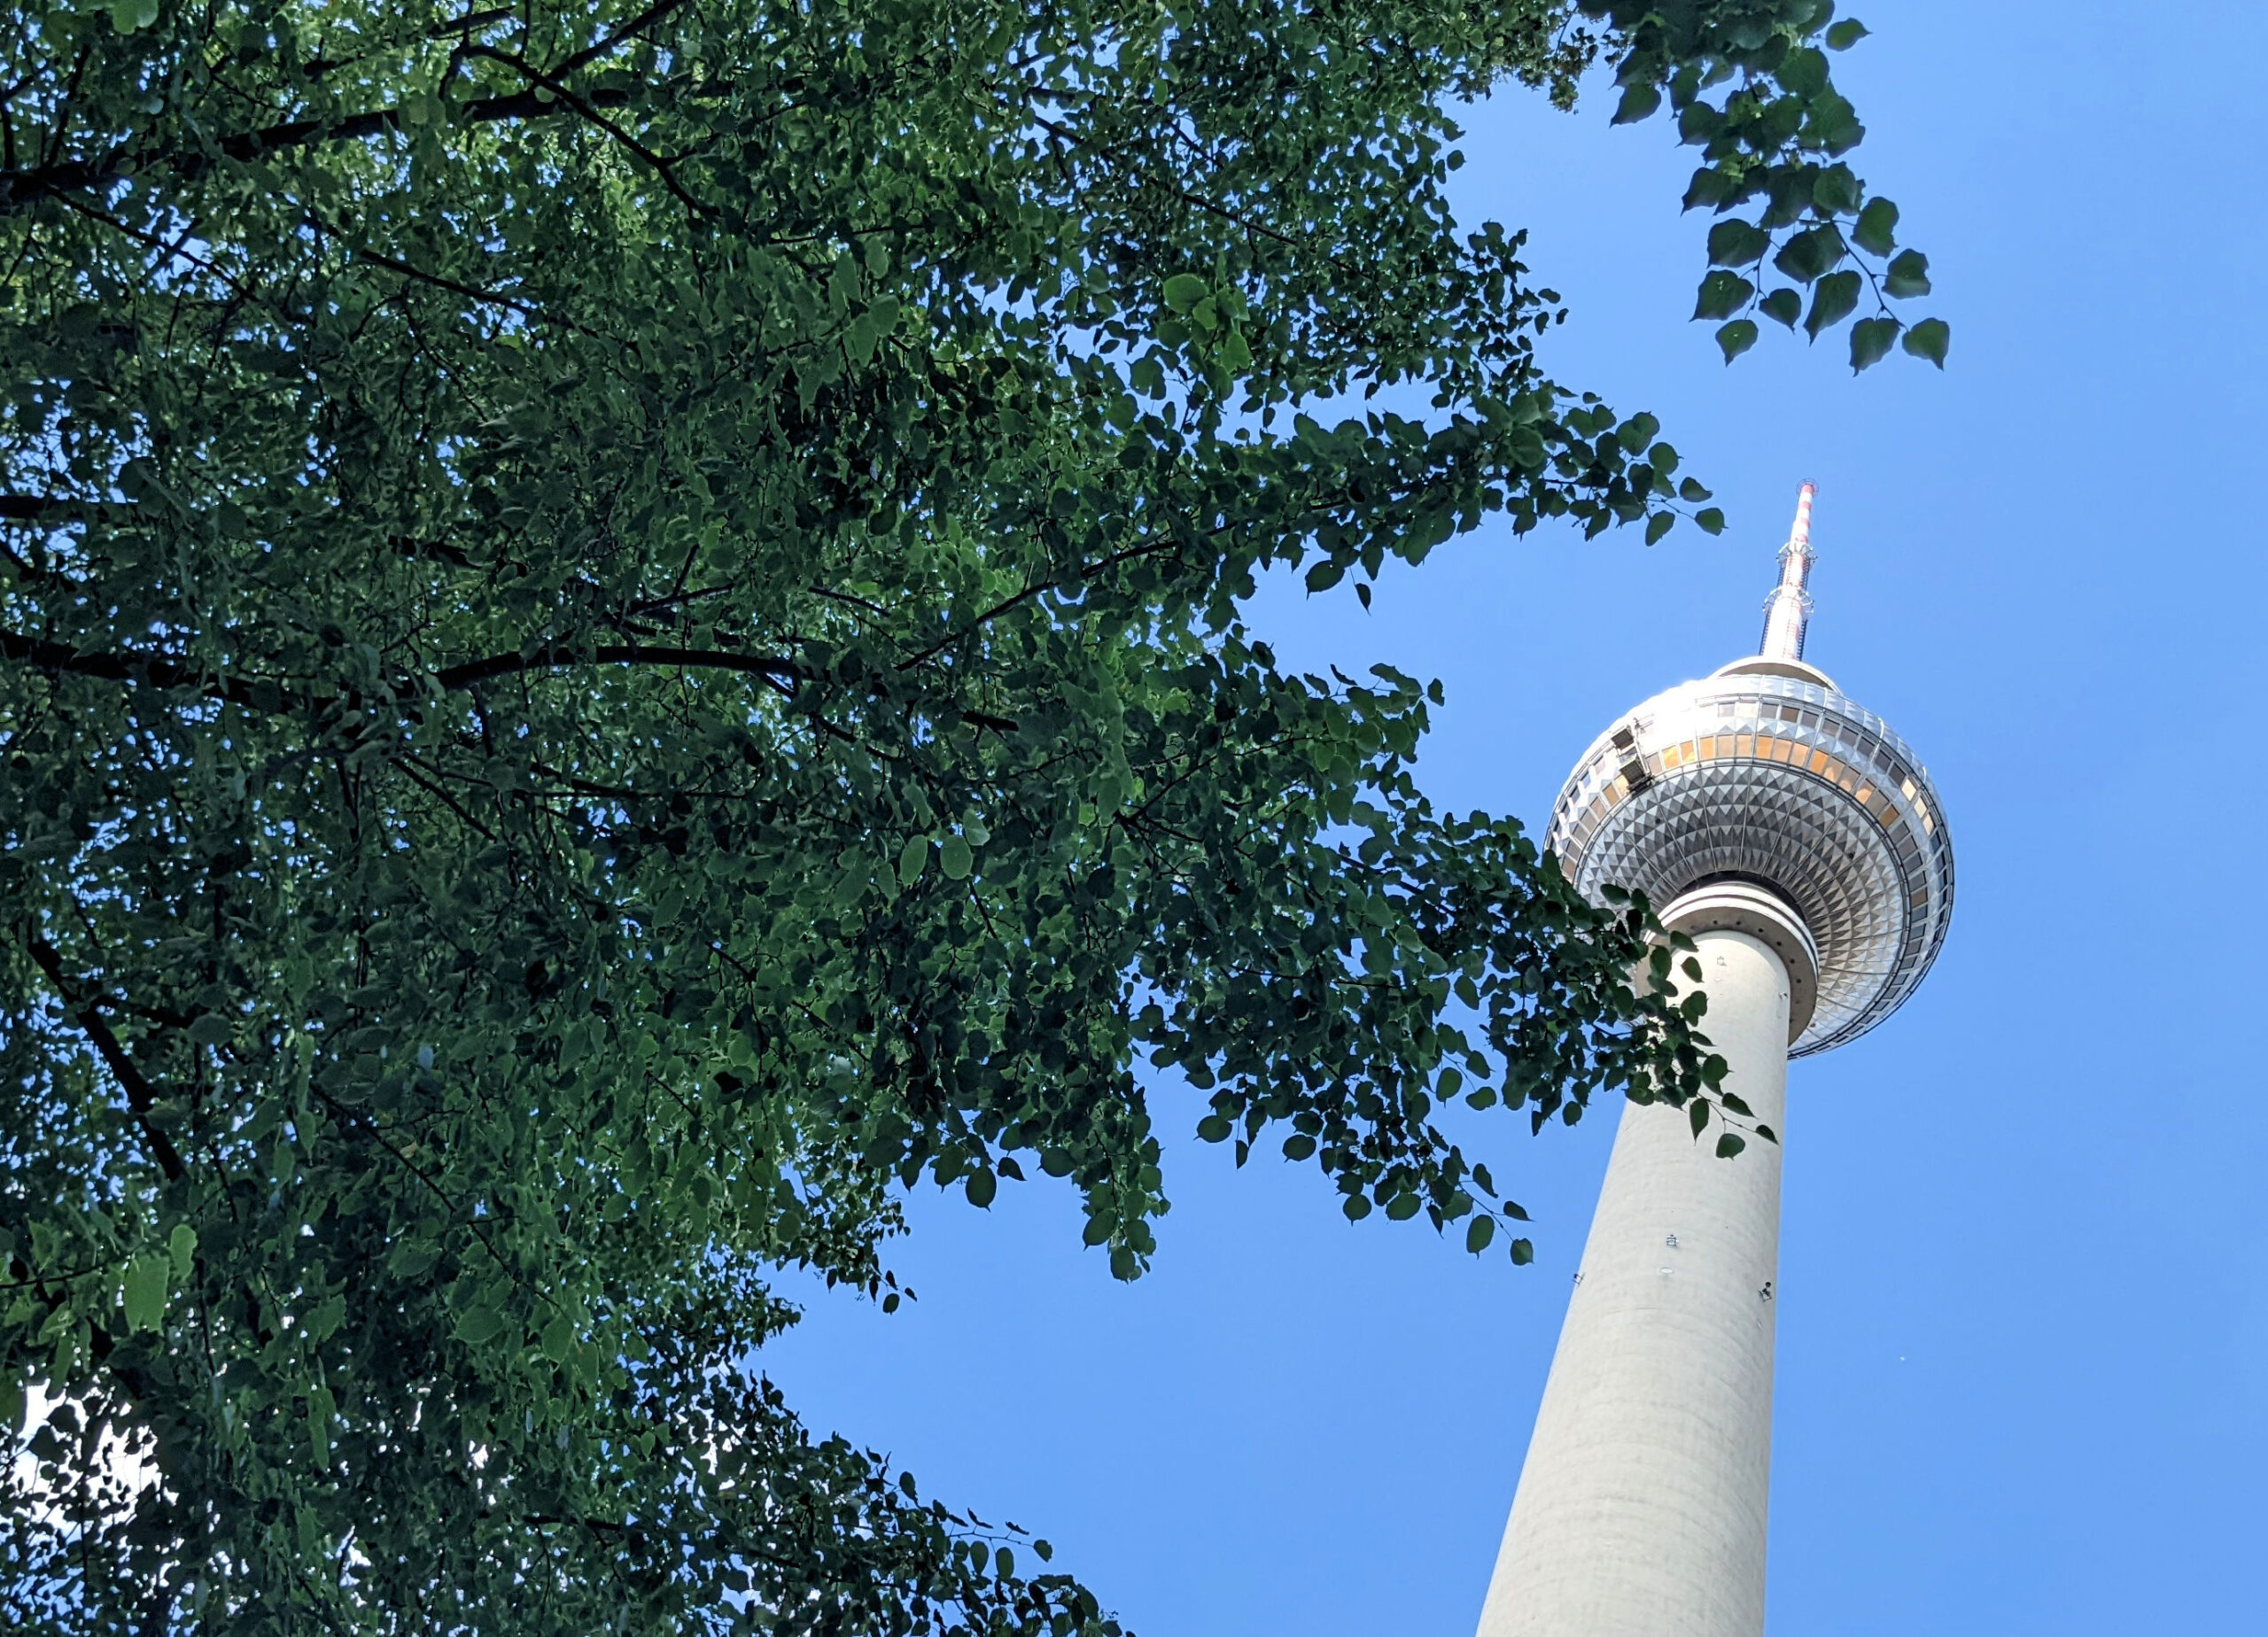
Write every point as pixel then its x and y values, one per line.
pixel 1787 611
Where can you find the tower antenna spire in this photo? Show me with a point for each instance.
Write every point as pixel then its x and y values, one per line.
pixel 1787 611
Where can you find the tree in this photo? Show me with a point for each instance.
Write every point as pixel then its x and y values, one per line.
pixel 620 638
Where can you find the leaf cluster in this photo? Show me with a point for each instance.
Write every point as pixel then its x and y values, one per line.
pixel 620 637
pixel 1750 84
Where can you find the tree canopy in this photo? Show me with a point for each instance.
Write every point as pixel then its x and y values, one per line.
pixel 620 637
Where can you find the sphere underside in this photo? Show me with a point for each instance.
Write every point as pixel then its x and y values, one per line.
pixel 1764 774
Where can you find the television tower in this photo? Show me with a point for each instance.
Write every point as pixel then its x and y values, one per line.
pixel 1796 839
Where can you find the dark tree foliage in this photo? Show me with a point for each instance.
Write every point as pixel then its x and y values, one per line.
pixel 619 637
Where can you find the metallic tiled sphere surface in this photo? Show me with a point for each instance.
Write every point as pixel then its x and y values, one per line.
pixel 1763 771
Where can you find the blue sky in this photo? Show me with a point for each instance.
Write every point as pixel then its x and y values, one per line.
pixel 2024 1315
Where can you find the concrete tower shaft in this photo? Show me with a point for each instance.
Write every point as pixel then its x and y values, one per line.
pixel 1641 1509
pixel 1800 842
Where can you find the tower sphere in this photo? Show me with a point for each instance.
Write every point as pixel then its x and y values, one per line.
pixel 1763 775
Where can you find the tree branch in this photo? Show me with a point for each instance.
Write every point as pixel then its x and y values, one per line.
pixel 140 1095
pixel 20 188
pixel 61 659
pixel 470 292
pixel 1028 593
pixel 636 25
pixel 55 510
pixel 586 107
pixel 617 654
pixel 40 508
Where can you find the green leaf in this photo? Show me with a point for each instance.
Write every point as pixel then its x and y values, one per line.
pixel 1697 1113
pixel 1835 191
pixel 1636 433
pixel 1832 299
pixel 412 1258
pixel 1808 255
pixel 1804 71
pixel 1480 1234
pixel 1737 338
pixel 1233 354
pixel 1833 124
pixel 559 1339
pixel 1870 341
pixel 1735 243
pixel 1712 186
pixel 324 1320
pixel 1783 306
pixel 1907 274
pixel 1402 1208
pixel 1324 576
pixel 981 1188
pixel 1697 122
pixel 1523 1253
pixel 1214 1129
pixel 1637 102
pixel 478 1325
pixel 911 859
pixel 954 858
pixel 1184 290
pixel 1842 36
pixel 1710 521
pixel 182 1245
pixel 145 1292
pixel 1928 339
pixel 1876 232
pixel 321 1408
pixel 1722 294
pixel 1659 524
pixel 1727 1146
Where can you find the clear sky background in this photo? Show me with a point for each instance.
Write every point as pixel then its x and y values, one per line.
pixel 2024 1313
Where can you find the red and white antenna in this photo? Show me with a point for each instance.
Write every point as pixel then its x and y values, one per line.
pixel 1787 611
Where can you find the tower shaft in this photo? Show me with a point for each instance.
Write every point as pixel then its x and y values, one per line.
pixel 1641 1508
pixel 1800 842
